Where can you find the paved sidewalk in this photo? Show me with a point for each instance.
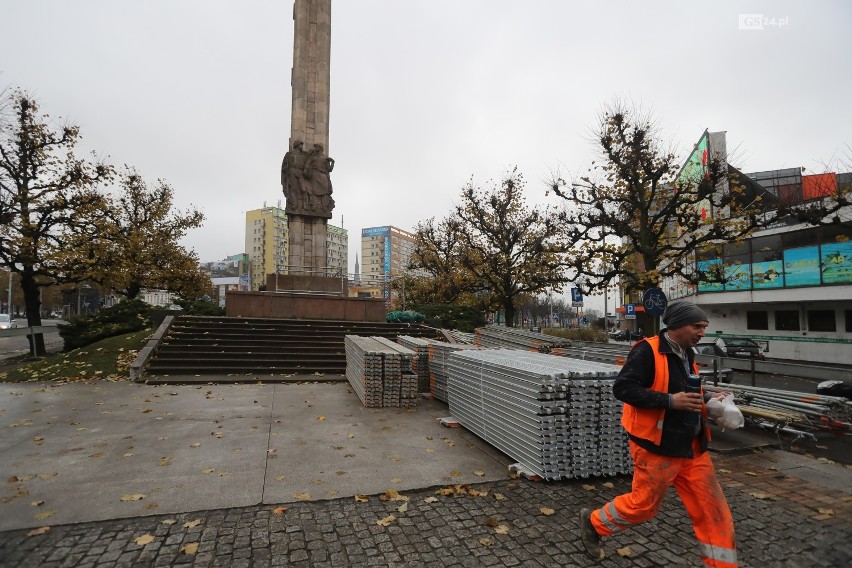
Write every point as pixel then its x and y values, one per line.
pixel 273 480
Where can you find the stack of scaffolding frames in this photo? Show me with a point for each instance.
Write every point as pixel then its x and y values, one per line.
pixel 438 353
pixel 380 372
pixel 420 363
pixel 497 336
pixel 556 416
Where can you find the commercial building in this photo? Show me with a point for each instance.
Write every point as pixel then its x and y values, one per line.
pixel 267 239
pixel 385 253
pixel 789 286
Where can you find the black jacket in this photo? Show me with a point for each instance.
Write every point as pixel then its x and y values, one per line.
pixel 633 386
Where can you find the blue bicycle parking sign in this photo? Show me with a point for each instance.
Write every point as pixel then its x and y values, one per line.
pixel 654 301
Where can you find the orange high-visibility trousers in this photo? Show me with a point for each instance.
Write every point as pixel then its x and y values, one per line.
pixel 695 482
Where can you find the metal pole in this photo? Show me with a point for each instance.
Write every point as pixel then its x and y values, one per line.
pixel 752 373
pixel 9 303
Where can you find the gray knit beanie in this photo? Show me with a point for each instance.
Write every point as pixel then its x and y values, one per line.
pixel 681 313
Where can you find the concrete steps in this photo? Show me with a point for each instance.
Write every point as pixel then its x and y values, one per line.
pixel 225 346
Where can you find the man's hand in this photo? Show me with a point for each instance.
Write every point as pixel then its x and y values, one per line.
pixel 688 401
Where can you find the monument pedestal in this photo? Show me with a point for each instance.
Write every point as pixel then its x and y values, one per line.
pixel 308 243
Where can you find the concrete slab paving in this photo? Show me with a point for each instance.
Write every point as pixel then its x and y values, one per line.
pixel 77 452
pixel 329 445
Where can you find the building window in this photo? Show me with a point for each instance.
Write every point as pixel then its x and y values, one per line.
pixel 757 320
pixel 849 321
pixel 787 320
pixel 821 320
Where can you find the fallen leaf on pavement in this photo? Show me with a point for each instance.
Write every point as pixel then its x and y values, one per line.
pixel 279 510
pixel 546 511
pixel 165 461
pixel 403 508
pixel 501 529
pixel 144 539
pixel 195 445
pixel 826 511
pixel 44 515
pixel 761 495
pixel 192 524
pixel 133 497
pixel 430 499
pixel 751 473
pixel 151 506
pixel 724 471
pixel 302 496
pixel 499 496
pixel 479 473
pixel 209 470
pixel 625 551
pixel 169 521
pixel 608 485
pixel 38 531
pixel 386 521
pixel 588 487
pixel 48 475
pixel 486 541
pixel 392 495
pixel 190 548
pixel 38 503
pixel 361 498
pixel 490 522
pixel 455 473
pixel 320 418
pixel 279 478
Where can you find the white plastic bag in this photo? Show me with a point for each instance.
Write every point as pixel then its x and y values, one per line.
pixel 725 412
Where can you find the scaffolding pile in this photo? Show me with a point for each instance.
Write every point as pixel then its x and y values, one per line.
pixel 379 371
pixel 555 415
pixel 439 351
pixel 420 362
pixel 790 411
pixel 498 336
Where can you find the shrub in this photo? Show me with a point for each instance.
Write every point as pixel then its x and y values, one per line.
pixel 200 308
pixel 124 317
pixel 586 334
pixel 408 316
pixel 451 316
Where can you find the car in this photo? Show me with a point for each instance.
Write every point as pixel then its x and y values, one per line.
pixel 6 321
pixel 741 348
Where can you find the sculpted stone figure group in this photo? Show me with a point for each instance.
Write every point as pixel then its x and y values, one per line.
pixel 306 182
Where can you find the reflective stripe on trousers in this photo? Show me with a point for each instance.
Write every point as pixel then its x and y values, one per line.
pixel 696 484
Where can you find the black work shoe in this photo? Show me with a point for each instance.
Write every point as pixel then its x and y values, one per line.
pixel 590 537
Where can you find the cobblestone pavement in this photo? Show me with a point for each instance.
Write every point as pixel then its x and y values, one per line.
pixel 781 520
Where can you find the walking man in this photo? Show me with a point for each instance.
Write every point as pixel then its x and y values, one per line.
pixel 667 445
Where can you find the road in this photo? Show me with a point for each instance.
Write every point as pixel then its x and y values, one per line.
pixel 19 344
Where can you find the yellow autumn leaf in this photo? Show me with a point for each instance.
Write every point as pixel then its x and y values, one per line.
pixel 608 485
pixel 279 478
pixel 546 511
pixel 209 470
pixel 165 461
pixel 192 524
pixel 761 495
pixel 430 451
pixel 403 508
pixel 499 496
pixel 44 515
pixel 826 511
pixel 386 521
pixel 430 499
pixel 501 529
pixel 48 475
pixel 320 418
pixel 486 541
pixel 38 531
pixel 479 473
pixel 625 551
pixel 361 498
pixel 455 473
pixel 724 471
pixel 168 522
pixel 588 487
pixel 190 548
pixel 133 497
pixel 144 539
pixel 279 510
pixel 392 495
pixel 38 503
pixel 302 496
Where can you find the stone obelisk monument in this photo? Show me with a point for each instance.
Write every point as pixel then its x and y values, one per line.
pixel 305 171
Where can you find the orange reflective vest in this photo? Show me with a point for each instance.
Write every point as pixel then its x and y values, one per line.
pixel 647 423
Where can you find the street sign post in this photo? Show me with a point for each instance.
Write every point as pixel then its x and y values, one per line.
pixel 654 300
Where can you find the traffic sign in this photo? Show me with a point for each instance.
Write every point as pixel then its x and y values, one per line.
pixel 655 301
pixel 576 298
pixel 630 311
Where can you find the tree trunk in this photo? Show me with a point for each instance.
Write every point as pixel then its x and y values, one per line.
pixel 509 308
pixel 32 301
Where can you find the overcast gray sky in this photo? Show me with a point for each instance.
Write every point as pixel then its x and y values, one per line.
pixel 424 93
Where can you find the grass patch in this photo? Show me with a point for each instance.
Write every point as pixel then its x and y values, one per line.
pixel 108 359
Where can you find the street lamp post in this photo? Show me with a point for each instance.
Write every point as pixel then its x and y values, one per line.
pixel 9 302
